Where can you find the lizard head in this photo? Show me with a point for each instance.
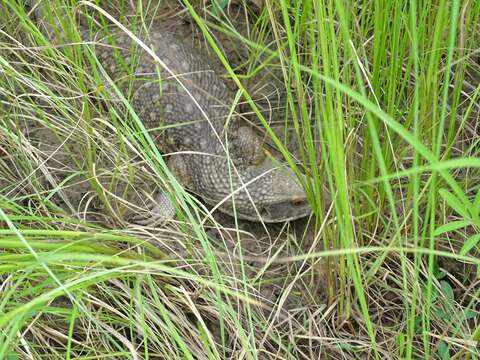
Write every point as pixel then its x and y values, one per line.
pixel 275 195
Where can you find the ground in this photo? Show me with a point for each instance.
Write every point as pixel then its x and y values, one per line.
pixel 226 288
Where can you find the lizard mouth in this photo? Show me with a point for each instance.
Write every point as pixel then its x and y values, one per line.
pixel 285 211
pixel 273 213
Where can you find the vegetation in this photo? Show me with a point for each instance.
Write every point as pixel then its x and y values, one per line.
pixel 379 104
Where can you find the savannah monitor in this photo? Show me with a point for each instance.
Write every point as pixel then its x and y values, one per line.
pixel 219 159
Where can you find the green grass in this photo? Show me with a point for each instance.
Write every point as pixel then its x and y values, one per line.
pixel 379 104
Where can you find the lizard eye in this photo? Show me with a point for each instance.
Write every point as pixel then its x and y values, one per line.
pixel 297 202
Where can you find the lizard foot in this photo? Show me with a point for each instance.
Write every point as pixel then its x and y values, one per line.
pixel 159 208
pixel 247 147
pixel 159 211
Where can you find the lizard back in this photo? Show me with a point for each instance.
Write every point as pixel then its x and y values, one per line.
pixel 189 98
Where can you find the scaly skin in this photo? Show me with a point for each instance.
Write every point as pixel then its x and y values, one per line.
pixel 202 128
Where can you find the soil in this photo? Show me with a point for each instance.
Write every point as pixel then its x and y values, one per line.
pixel 280 283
